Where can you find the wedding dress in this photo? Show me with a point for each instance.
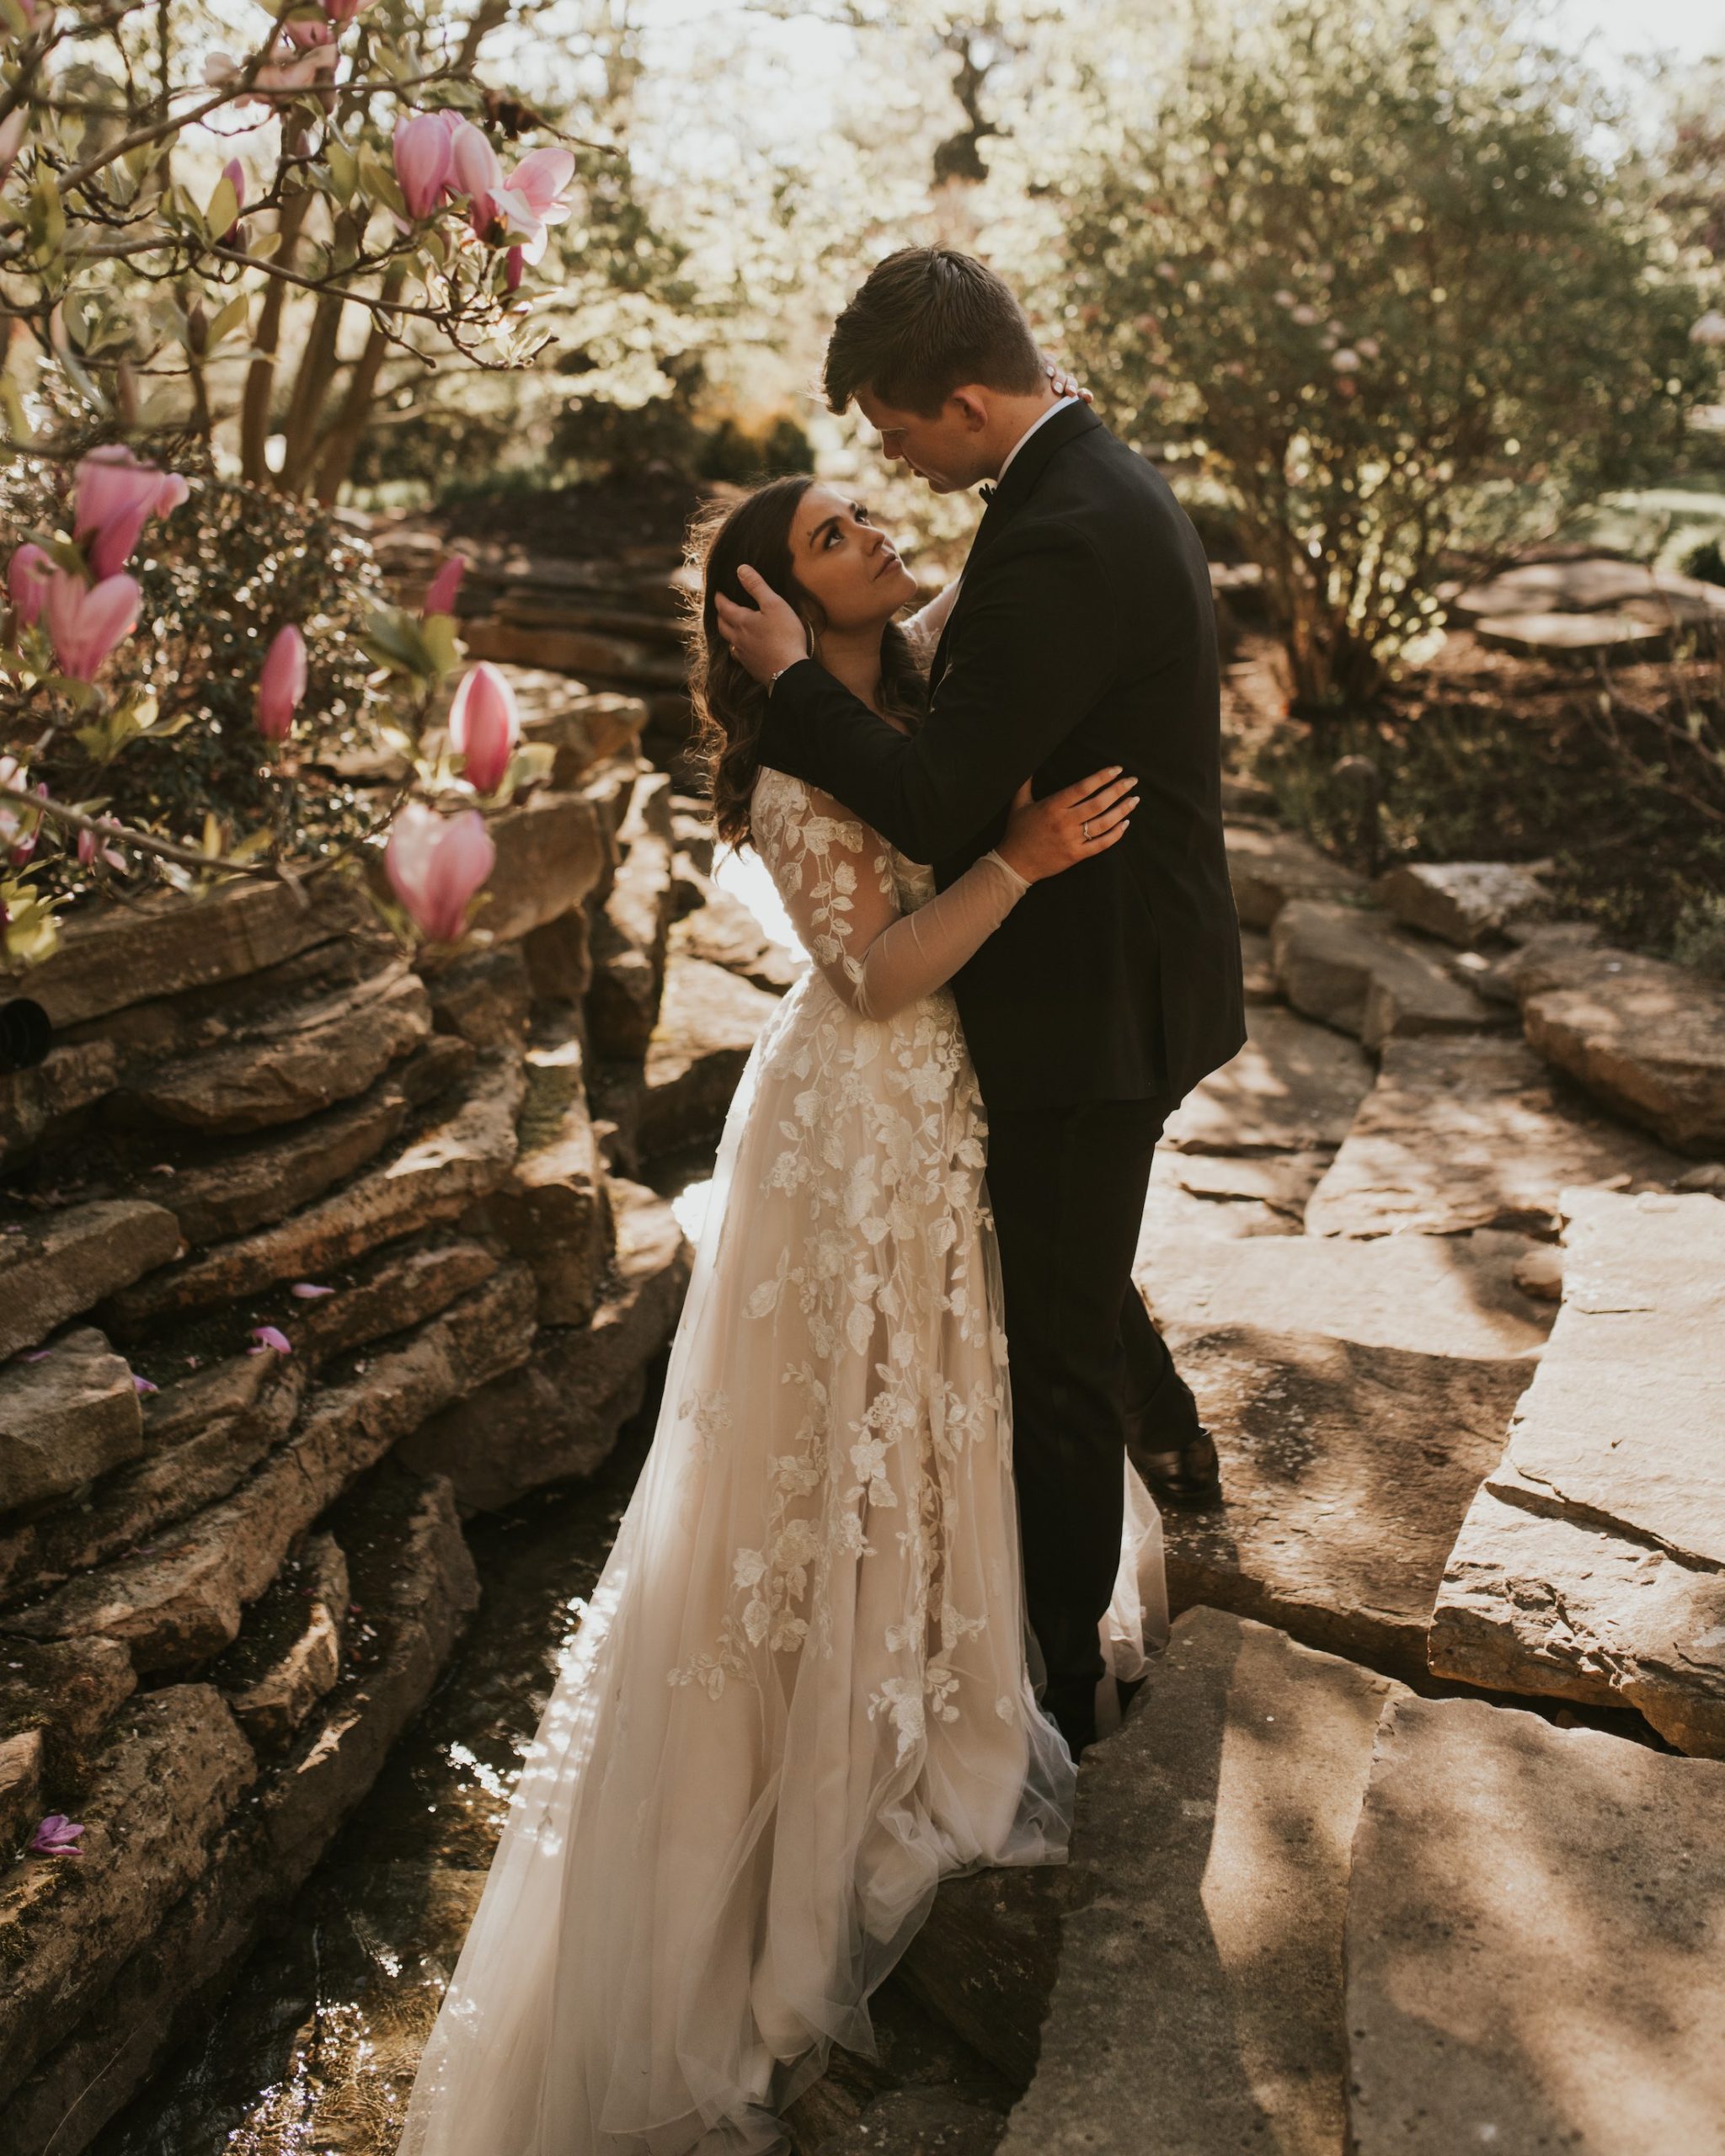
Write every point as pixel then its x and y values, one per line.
pixel 800 1694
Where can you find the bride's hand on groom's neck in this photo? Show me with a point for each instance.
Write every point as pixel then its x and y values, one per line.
pixel 767 638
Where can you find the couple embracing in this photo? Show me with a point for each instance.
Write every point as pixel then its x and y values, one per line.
pixel 888 1568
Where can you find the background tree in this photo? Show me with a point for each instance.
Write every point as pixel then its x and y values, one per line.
pixel 1370 264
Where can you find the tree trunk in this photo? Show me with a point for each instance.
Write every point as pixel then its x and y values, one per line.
pixel 261 376
pixel 342 442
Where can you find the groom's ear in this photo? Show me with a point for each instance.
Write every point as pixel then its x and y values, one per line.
pixel 969 406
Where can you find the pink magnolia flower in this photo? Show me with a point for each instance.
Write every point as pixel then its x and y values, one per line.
pixel 476 173
pixel 441 592
pixel 116 497
pixel 92 848
pixel 434 865
pixel 268 1336
pixel 281 686
pixel 512 270
pixel 484 726
pixel 27 576
pixel 422 161
pixel 533 199
pixel 85 622
pixel 56 1836
pixel 341 12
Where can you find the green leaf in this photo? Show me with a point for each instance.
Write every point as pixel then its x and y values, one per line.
pixel 232 317
pixel 222 207
pixel 17 426
pixel 343 168
pixel 437 634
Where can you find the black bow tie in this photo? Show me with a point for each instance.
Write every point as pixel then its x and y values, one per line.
pixel 986 492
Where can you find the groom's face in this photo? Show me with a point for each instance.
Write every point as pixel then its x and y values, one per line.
pixel 946 450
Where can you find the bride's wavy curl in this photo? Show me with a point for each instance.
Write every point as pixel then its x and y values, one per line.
pixel 730 703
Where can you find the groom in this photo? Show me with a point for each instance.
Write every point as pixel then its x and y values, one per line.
pixel 1083 634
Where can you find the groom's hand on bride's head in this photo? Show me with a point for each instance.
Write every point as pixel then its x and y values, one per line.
pixel 767 638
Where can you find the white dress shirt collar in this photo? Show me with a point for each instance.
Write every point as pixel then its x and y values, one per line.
pixel 1041 419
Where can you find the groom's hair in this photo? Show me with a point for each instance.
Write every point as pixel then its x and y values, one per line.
pixel 926 322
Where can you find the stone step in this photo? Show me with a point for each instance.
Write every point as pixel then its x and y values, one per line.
pixel 1646 1037
pixel 1579 637
pixel 1266 867
pixel 1199 2003
pixel 1356 970
pixel 1473 1132
pixel 1347 1470
pixel 1619 1441
pixel 1467 903
pixel 1294 1088
pixel 1532 1941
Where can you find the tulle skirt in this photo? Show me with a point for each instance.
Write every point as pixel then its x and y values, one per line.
pixel 803 1691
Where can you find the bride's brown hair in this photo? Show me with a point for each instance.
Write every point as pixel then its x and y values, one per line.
pixel 730 703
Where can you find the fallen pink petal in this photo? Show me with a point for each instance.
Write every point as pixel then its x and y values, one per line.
pixel 269 1336
pixel 56 1836
pixel 308 1291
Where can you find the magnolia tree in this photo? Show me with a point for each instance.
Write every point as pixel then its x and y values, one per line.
pixel 1378 273
pixel 145 263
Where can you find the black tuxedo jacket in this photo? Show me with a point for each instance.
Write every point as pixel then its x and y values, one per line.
pixel 1084 635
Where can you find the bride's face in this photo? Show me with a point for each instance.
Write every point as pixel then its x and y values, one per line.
pixel 846 563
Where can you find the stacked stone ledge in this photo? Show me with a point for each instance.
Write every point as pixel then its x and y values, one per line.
pixel 222 1599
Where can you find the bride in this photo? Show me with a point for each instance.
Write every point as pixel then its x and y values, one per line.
pixel 803 1691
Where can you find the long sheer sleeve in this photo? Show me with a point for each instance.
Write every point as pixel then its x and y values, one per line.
pixel 834 877
pixel 924 626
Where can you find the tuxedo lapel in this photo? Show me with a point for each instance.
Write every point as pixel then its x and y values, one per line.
pixel 1007 496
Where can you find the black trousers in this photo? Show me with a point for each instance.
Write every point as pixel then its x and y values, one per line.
pixel 1067 1186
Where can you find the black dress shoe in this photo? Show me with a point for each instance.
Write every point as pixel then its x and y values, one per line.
pixel 1190 1475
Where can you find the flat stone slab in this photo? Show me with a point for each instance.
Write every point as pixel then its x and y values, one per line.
pixel 113 956
pixel 1533 1942
pixel 1592 1565
pixel 1226 1194
pixel 59 1265
pixel 1645 1038
pixel 66 1419
pixel 1431 1295
pixel 1577 587
pixel 307 1058
pixel 1625 1423
pixel 1355 969
pixel 1464 902
pixel 1570 635
pixel 1199 2003
pixel 460 1158
pixel 1347 1470
pixel 708 1022
pixel 1473 1132
pixel 1561 1608
pixel 1267 868
pixel 1293 1088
